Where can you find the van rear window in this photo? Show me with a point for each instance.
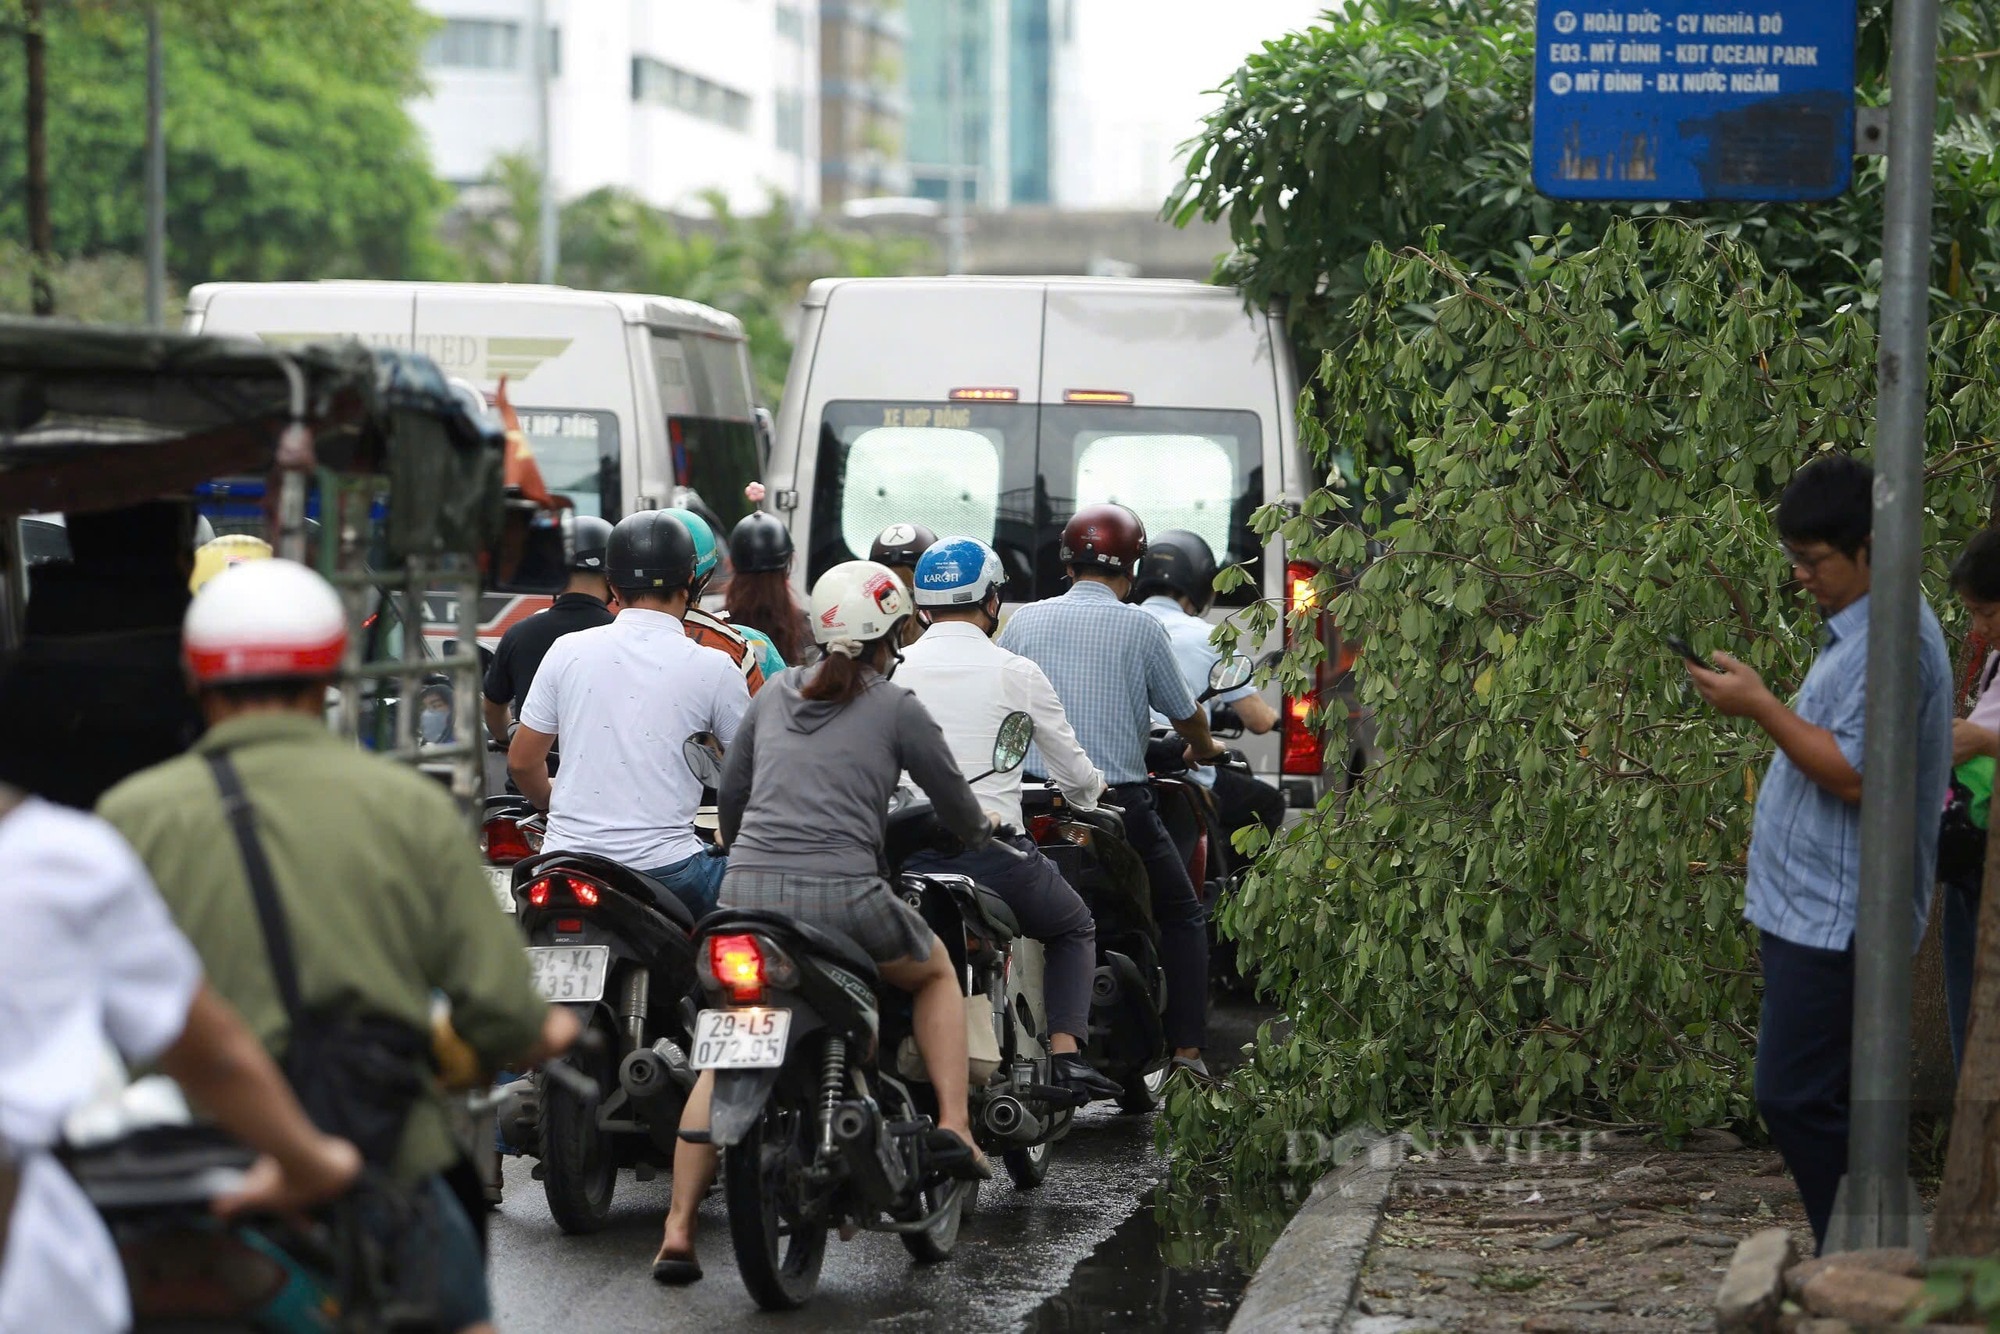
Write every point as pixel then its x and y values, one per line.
pixel 577 453
pixel 1012 474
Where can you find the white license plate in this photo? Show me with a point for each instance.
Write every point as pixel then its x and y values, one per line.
pixel 747 1039
pixel 501 878
pixel 570 972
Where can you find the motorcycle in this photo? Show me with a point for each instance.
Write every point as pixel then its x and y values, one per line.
pixel 614 945
pixel 821 1107
pixel 510 832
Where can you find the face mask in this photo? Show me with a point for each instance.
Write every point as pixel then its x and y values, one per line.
pixel 434 724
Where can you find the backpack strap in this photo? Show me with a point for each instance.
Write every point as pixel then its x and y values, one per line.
pixel 263 885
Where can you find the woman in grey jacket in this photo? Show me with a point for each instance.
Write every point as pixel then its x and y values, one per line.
pixel 803 805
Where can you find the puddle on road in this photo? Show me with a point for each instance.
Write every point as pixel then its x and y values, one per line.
pixel 1177 1265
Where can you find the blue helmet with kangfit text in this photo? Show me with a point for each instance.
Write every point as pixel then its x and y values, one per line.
pixel 958 572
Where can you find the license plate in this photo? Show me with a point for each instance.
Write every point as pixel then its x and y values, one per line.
pixel 570 972
pixel 748 1039
pixel 501 879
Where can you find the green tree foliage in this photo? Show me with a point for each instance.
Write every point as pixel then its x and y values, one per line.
pixel 289 152
pixel 755 266
pixel 1532 909
pixel 1394 116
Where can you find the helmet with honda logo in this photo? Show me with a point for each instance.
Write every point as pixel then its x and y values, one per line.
pixel 958 572
pixel 856 603
pixel 264 620
pixel 1107 537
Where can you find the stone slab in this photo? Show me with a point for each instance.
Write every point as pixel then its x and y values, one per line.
pixel 1754 1288
pixel 1308 1279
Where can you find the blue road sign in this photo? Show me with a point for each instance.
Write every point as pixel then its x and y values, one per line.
pixel 1694 99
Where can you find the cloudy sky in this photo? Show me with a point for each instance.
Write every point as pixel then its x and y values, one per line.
pixel 1136 79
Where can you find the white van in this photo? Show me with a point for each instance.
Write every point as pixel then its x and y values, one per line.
pixel 626 398
pixel 997 407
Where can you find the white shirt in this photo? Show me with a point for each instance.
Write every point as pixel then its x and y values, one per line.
pixel 1196 658
pixel 89 956
pixel 622 698
pixel 969 684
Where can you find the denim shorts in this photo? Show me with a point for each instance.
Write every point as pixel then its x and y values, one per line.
pixel 695 882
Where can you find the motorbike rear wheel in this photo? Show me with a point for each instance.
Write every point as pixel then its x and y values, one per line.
pixel 937 1241
pixel 1028 1167
pixel 778 1253
pixel 1142 1091
pixel 579 1165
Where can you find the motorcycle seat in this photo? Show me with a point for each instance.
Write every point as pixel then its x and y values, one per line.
pixel 832 944
pixel 997 914
pixel 665 900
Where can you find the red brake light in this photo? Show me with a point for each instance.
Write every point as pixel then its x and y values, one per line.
pixel 569 924
pixel 1303 752
pixel 538 893
pixel 1039 826
pixel 584 892
pixel 504 841
pixel 738 964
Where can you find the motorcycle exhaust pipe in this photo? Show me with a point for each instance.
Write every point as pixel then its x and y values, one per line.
pixel 1104 986
pixel 656 1072
pixel 869 1154
pixel 517 1112
pixel 1010 1121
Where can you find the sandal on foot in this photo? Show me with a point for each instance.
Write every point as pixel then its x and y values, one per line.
pixel 677 1269
pixel 956 1158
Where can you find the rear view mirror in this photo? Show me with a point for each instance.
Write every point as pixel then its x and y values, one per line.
pixel 703 753
pixel 1010 747
pixel 1230 673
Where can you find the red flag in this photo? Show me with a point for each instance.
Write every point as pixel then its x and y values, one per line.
pixel 522 473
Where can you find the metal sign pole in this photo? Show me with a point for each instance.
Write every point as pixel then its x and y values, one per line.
pixel 1877 1205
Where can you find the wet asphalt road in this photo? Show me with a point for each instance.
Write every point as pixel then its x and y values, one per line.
pixel 1019 1248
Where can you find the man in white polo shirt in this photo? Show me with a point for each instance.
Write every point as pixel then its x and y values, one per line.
pixel 623 697
pixel 969 685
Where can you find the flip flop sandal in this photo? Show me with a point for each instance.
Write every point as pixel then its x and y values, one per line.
pixel 955 1157
pixel 677 1269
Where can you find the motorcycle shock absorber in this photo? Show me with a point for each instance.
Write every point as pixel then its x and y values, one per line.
pixel 832 1079
pixel 638 996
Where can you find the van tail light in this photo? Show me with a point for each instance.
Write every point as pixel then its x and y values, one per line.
pixel 1096 396
pixel 738 965
pixel 1303 751
pixel 983 394
pixel 504 842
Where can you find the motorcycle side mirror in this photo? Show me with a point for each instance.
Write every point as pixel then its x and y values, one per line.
pixel 1230 673
pixel 1010 745
pixel 703 753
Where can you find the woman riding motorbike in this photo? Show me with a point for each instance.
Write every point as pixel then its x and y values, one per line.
pixel 803 805
pixel 759 595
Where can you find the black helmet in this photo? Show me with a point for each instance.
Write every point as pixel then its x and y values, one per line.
pixel 589 536
pixel 650 552
pixel 760 544
pixel 901 544
pixel 1178 563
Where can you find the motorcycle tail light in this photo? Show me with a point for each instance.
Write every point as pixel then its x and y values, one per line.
pixel 1077 834
pixel 738 965
pixel 503 841
pixel 1303 751
pixel 1039 827
pixel 538 893
pixel 569 925
pixel 583 891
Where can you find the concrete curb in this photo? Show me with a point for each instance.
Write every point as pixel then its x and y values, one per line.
pixel 1308 1281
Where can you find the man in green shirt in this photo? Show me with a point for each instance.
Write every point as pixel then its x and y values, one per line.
pixel 383 893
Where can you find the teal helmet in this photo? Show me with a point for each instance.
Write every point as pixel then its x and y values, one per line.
pixel 768 656
pixel 704 543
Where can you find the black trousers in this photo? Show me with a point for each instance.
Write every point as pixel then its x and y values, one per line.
pixel 1805 1058
pixel 1182 920
pixel 1243 801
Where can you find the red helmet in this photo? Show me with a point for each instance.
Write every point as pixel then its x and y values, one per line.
pixel 1110 537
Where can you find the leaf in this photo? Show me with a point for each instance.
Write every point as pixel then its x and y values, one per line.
pixel 1376 99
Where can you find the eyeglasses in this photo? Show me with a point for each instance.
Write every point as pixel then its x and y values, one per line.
pixel 1799 561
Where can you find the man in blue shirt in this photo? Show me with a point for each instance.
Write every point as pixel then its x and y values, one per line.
pixel 1805 840
pixel 1112 665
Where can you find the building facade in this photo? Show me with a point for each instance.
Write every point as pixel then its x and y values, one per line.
pixel 981 95
pixel 864 110
pixel 659 97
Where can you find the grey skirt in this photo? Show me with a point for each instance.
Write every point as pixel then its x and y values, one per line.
pixel 864 909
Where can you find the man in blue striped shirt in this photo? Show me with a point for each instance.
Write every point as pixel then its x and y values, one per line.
pixel 1805 839
pixel 1112 665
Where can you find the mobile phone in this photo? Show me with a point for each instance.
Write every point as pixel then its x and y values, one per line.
pixel 1683 649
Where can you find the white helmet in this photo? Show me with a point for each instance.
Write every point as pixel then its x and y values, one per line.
pixel 264 620
pixel 855 604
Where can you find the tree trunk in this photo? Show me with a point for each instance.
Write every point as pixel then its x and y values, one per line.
pixel 1968 1207
pixel 40 241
